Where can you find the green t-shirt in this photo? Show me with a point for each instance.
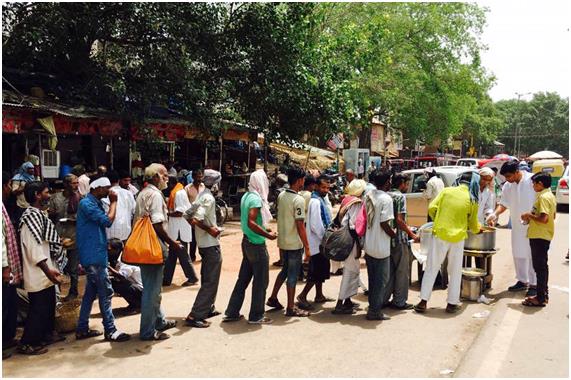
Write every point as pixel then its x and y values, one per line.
pixel 251 200
pixel 545 203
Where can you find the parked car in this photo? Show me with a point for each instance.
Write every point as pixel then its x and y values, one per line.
pixel 562 192
pixel 470 162
pixel 416 204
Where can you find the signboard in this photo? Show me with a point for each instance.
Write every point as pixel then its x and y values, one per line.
pixel 335 142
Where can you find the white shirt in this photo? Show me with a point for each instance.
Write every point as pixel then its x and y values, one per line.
pixel 177 224
pixel 433 187
pixel 377 242
pixel 131 273
pixel 314 226
pixel 206 213
pixel 486 205
pixel 133 190
pixel 121 227
pixel 33 253
pixel 151 202
pixel 192 192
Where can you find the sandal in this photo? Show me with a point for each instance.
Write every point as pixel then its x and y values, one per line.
pixel 532 301
pixel 343 310
pixel 28 349
pixel 158 336
pixel 169 324
pixel 87 334
pixel 233 319
pixel 198 323
pixel 323 300
pixel 295 312
pixel 213 314
pixel 117 336
pixel 274 304
pixel 419 309
pixel 303 304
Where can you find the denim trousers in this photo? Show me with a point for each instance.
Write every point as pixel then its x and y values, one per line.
pixel 97 285
pixel 152 315
pixel 255 267
pixel 378 271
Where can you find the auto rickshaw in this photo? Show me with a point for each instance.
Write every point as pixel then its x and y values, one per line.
pixel 554 167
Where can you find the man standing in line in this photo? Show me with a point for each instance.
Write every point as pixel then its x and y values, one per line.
pixel 38 237
pixel 181 231
pixel 150 202
pixel 207 238
pixel 63 205
pixel 254 217
pixel 92 246
pixel 121 227
pixel 518 196
pixel 454 210
pixel 400 247
pixel 193 190
pixel 318 219
pixel 11 272
pixel 377 247
pixel 125 181
pixel 292 240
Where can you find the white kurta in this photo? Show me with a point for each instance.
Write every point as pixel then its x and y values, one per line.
pixel 486 205
pixel 350 280
pixel 314 226
pixel 519 198
pixel 177 224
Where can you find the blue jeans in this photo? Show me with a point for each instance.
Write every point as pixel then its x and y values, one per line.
pixel 291 267
pixel 152 315
pixel 256 265
pixel 98 285
pixel 378 271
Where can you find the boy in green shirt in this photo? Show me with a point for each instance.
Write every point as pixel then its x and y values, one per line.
pixel 540 233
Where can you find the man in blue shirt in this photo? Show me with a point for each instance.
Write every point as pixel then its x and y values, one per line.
pixel 92 245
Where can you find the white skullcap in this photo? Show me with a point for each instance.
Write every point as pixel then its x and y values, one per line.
pixel 100 182
pixel 486 172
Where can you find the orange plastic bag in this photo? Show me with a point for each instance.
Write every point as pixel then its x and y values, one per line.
pixel 143 246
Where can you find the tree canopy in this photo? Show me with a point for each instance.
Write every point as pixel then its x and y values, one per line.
pixel 289 69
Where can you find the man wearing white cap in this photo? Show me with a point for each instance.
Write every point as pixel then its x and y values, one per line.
pixel 92 245
pixel 487 202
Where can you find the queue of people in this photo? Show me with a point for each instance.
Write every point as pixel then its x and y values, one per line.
pixel 54 233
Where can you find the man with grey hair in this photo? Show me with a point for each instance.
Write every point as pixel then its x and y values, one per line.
pixel 203 216
pixel 62 210
pixel 151 202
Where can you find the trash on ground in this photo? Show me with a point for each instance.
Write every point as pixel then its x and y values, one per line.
pixel 446 371
pixel 482 314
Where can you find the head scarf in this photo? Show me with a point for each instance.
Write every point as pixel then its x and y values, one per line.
pixel 260 185
pixel 473 186
pixel 356 187
pixel 211 177
pixel 486 172
pixel 100 182
pixel 23 174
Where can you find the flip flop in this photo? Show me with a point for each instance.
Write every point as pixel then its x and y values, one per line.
pixel 213 314
pixel 168 325
pixel 295 312
pixel 199 324
pixel 303 304
pixel 158 336
pixel 228 319
pixel 87 334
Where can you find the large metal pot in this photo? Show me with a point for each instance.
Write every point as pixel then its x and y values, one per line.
pixel 485 241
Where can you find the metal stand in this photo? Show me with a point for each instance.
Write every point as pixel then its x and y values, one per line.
pixel 483 260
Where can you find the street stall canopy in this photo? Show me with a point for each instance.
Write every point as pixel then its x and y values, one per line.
pixel 544 155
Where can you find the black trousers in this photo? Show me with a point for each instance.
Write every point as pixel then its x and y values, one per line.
pixel 41 316
pixel 9 312
pixel 539 249
pixel 185 263
pixel 128 291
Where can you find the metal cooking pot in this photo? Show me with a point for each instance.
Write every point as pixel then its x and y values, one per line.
pixel 485 241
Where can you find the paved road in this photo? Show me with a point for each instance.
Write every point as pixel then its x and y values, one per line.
pixel 325 345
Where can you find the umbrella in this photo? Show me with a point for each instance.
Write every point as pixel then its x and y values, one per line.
pixel 544 155
pixel 503 157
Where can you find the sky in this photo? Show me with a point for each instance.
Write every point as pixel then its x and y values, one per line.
pixel 529 47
